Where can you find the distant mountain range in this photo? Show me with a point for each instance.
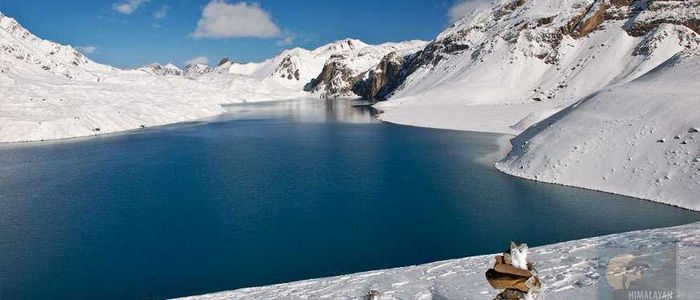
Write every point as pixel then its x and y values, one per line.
pixel 52 91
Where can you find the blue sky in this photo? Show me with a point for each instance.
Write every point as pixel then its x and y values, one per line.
pixel 131 33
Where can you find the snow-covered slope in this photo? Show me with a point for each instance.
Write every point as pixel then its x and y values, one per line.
pixel 571 270
pixel 639 139
pixel 162 70
pixel 19 47
pixel 51 91
pixel 343 70
pixel 531 58
pixel 279 78
pixel 285 75
pixel 631 67
pixel 195 70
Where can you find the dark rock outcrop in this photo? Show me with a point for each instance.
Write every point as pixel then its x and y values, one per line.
pixel 381 81
pixel 335 79
pixel 223 61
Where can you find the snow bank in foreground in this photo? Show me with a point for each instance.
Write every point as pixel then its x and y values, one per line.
pixel 570 270
pixel 638 139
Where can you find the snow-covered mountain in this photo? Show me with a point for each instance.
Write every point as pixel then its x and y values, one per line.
pixel 195 70
pixel 550 50
pixel 52 91
pixel 162 70
pixel 21 47
pixel 343 70
pixel 619 79
pixel 287 74
pixel 535 57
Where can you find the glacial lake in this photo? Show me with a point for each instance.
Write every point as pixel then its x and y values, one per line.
pixel 273 192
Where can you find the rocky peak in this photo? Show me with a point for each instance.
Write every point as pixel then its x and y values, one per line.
pixel 342 45
pixel 224 61
pixel 513 32
pixel 335 79
pixel 195 70
pixel 288 68
pixel 20 45
pixel 378 83
pixel 162 70
pixel 343 70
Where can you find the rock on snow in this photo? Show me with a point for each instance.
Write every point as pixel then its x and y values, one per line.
pixel 569 270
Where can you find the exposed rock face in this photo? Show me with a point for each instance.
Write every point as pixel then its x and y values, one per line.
pixel 345 73
pixel 195 70
pixel 642 16
pixel 162 70
pixel 336 79
pixel 645 16
pixel 224 61
pixel 381 81
pixel 588 21
pixel 297 67
pixel 515 31
pixel 288 68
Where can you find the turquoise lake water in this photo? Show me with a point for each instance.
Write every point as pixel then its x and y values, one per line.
pixel 272 193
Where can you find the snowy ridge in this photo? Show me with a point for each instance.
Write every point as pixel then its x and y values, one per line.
pixel 286 75
pixel 569 270
pixel 280 78
pixel 618 78
pixel 51 91
pixel 18 45
pixel 343 70
pixel 162 70
pixel 638 139
pixel 531 58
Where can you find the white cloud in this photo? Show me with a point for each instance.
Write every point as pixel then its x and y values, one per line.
pixel 162 12
pixel 286 41
pixel 203 60
pixel 462 8
pixel 128 7
pixel 88 49
pixel 221 20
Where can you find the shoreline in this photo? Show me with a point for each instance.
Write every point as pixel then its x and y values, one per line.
pixel 555 257
pixel 497 163
pixel 570 270
pixel 81 138
pixel 137 129
pixel 505 147
pixel 399 279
